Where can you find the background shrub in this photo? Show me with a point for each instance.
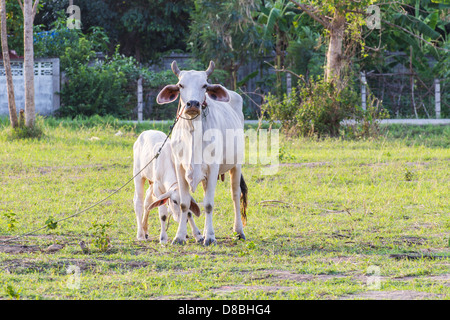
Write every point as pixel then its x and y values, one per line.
pixel 317 108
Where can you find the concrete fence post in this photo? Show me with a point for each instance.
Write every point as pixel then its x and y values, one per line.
pixel 288 83
pixel 140 100
pixel 363 90
pixel 437 98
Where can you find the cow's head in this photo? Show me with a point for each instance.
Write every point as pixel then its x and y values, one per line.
pixel 192 88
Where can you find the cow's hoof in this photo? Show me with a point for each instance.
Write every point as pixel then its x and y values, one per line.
pixel 179 241
pixel 200 240
pixel 141 237
pixel 163 240
pixel 209 241
pixel 240 236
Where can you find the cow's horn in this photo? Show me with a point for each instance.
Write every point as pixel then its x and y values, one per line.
pixel 210 68
pixel 175 68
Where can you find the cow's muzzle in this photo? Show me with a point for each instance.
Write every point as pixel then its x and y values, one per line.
pixel 192 108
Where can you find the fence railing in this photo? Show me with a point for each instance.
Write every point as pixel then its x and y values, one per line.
pixel 406 95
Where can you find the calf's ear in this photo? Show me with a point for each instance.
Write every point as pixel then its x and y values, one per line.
pixel 218 93
pixel 158 203
pixel 168 94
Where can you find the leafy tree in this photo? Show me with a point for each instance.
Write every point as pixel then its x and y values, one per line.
pixel 224 31
pixel 142 28
pixel 278 19
pixel 14 16
pixel 7 66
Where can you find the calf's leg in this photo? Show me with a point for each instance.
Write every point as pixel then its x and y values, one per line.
pixel 138 200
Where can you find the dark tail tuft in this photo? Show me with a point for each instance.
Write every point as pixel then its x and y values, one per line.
pixel 244 193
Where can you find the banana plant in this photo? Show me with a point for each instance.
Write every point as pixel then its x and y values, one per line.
pixel 419 28
pixel 277 21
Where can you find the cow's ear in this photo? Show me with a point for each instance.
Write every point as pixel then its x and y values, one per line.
pixel 168 94
pixel 218 93
pixel 158 203
pixel 194 208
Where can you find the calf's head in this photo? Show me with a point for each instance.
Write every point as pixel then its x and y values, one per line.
pixel 192 88
pixel 172 197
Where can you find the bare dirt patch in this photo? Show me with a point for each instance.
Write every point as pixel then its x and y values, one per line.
pixel 268 288
pixel 15 249
pixel 391 295
pixel 301 277
pixel 304 164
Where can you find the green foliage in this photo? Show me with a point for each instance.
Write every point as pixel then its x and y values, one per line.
pixel 23 132
pixel 50 223
pixel 409 175
pixel 306 54
pixel 94 90
pixel 104 88
pixel 224 32
pixel 366 123
pixel 316 108
pixel 11 292
pixel 142 28
pixel 100 233
pixel 55 41
pixel 14 18
pixel 10 220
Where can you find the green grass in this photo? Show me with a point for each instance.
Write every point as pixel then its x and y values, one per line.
pixel 337 207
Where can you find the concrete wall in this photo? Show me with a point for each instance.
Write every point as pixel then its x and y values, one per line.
pixel 46 86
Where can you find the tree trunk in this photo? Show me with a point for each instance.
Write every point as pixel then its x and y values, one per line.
pixel 278 63
pixel 334 54
pixel 28 65
pixel 7 66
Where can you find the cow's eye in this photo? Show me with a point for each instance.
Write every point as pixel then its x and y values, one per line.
pixel 180 85
pixel 174 201
pixel 205 86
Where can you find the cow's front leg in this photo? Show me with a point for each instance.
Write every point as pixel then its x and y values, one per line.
pixel 208 203
pixel 195 231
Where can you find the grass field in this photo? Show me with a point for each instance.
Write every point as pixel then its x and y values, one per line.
pixel 340 219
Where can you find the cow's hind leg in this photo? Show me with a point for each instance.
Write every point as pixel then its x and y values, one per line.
pixel 208 204
pixel 235 175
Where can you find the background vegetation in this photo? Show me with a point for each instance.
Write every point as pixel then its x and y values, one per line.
pixel 294 35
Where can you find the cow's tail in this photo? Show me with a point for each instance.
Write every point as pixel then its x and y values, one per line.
pixel 244 194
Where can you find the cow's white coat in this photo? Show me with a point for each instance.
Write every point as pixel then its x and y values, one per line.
pixel 194 137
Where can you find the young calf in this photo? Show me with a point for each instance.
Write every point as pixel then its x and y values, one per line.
pixel 163 185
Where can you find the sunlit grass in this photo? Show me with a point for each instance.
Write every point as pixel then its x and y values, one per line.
pixel 332 209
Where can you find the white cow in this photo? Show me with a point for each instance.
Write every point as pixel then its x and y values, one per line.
pixel 161 175
pixel 210 118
